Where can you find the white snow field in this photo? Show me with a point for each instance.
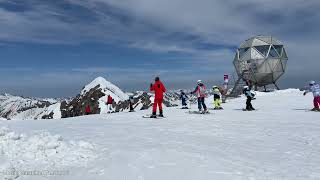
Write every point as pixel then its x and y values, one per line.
pixel 279 141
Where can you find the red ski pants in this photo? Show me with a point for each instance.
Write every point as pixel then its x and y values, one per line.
pixel 157 102
pixel 316 102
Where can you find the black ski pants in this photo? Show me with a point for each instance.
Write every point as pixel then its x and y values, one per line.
pixel 201 103
pixel 248 103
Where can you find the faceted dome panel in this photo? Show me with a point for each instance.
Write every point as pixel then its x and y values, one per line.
pixel 261 59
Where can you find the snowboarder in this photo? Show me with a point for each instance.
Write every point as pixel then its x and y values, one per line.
pixel 184 99
pixel 247 92
pixel 200 91
pixel 315 89
pixel 217 97
pixel 158 89
pixel 109 103
pixel 88 110
pixel 131 102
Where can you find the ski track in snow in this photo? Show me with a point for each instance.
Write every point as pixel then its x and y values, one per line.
pixel 280 141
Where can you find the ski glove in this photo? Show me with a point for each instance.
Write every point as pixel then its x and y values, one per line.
pixel 151 85
pixel 159 86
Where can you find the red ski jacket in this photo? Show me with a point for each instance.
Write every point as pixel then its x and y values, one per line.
pixel 158 89
pixel 109 100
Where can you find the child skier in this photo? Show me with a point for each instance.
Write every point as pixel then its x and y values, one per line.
pixel 158 89
pixel 247 92
pixel 217 98
pixel 200 91
pixel 315 89
pixel 184 99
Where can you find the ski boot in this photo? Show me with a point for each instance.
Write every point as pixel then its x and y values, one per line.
pixel 154 115
pixel 315 109
pixel 205 111
pixel 161 113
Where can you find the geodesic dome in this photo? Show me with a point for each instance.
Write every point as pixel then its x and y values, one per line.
pixel 261 59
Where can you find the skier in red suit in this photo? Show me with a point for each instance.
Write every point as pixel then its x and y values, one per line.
pixel 158 89
pixel 109 103
pixel 88 110
pixel 109 100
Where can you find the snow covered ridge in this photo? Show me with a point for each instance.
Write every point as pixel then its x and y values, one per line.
pixel 107 88
pixel 16 107
pixel 95 96
pixel 22 153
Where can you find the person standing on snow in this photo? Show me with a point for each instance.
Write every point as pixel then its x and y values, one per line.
pixel 247 92
pixel 184 99
pixel 158 89
pixel 88 110
pixel 109 103
pixel 217 98
pixel 315 89
pixel 200 91
pixel 131 102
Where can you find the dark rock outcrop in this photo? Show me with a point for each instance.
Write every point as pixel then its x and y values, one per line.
pixel 48 116
pixel 76 107
pixel 142 101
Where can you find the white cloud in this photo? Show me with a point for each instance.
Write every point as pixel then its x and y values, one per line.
pixel 171 26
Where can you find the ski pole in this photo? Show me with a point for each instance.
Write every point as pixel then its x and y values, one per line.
pixel 190 101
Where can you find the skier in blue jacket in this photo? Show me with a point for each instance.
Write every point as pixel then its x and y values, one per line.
pixel 184 99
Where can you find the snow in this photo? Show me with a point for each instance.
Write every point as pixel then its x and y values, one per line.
pixel 281 140
pixel 108 88
pixel 22 153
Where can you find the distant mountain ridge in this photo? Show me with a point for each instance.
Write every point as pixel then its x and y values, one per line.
pixel 16 107
pixel 93 94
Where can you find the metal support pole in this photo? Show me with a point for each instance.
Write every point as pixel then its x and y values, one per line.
pixel 276 86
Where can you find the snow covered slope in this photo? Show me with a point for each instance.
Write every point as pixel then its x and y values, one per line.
pixel 16 107
pixel 281 140
pixel 26 157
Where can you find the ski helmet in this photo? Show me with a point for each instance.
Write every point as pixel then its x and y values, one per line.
pixel 157 79
pixel 199 82
pixel 214 87
pixel 245 87
pixel 311 83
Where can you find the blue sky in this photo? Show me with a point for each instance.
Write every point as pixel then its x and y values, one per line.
pixel 53 48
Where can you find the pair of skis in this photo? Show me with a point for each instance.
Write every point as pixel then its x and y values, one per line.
pixel 149 116
pixel 197 112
